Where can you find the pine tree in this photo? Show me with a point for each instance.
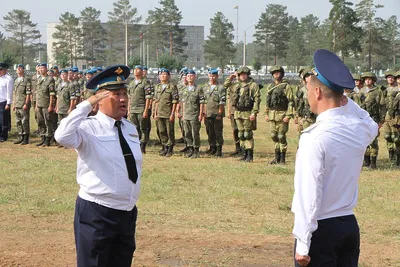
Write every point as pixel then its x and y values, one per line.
pixel 219 48
pixel 295 52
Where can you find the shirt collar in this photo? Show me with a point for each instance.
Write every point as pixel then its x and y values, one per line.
pixel 110 122
pixel 330 113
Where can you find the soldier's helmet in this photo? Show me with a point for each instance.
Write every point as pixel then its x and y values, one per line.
pixel 277 68
pixel 243 70
pixel 369 75
pixel 390 73
pixel 356 77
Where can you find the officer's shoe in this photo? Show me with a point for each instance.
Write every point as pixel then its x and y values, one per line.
pixel 170 151
pixel 244 156
pixel 218 154
pixel 189 152
pixel 373 163
pixel 42 141
pixel 20 140
pixel 186 148
pixel 367 161
pixel 26 139
pixel 196 153
pixel 47 142
pixel 277 159
pixel 283 158
pixel 249 157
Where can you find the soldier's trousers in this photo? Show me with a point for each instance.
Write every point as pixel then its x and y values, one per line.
pixel 192 132
pixel 182 127
pixel 245 133
pixel 304 123
pixel 278 135
pixel 214 129
pixel 167 131
pixel 391 134
pixel 45 122
pixel 22 120
pixel 373 148
pixel 34 106
pixel 142 126
pixel 235 130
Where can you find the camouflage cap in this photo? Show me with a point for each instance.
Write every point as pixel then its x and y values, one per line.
pixel 356 77
pixel 397 74
pixel 389 73
pixel 277 68
pixel 306 72
pixel 243 70
pixel 369 74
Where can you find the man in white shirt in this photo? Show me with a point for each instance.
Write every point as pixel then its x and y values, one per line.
pixel 108 172
pixel 328 164
pixel 6 89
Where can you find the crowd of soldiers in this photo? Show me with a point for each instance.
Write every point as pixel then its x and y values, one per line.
pixel 55 93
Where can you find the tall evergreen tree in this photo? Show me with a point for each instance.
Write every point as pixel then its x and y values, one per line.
pixel 68 36
pixel 95 34
pixel 272 32
pixel 295 52
pixel 391 31
pixel 219 48
pixel 309 27
pixel 23 30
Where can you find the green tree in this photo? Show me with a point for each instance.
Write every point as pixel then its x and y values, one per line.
pixel 272 32
pixel 392 35
pixel 94 33
pixel 256 64
pixel 23 30
pixel 309 27
pixel 124 16
pixel 219 48
pixel 68 36
pixel 164 33
pixel 295 52
pixel 168 62
pixel 133 61
pixel 344 33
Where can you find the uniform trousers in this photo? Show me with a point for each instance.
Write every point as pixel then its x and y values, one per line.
pixel 214 129
pixel 4 121
pixel 22 120
pixel 167 131
pixel 192 132
pixel 278 135
pixel 45 122
pixel 104 237
pixel 142 126
pixel 336 243
pixel 390 133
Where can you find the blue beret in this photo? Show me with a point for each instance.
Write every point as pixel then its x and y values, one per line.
pixel 191 72
pixel 213 71
pixel 183 71
pixel 145 68
pixel 20 66
pixel 63 71
pixel 163 70
pixel 50 70
pixel 331 71
pixel 43 64
pixel 74 69
pixel 138 67
pixel 55 67
pixel 112 78
pixel 3 65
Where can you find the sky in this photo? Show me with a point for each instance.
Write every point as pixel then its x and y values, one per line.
pixel 194 12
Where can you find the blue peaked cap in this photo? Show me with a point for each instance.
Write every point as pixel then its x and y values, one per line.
pixel 112 78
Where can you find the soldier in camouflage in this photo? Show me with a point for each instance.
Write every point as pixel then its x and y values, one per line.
pixel 215 99
pixel 246 101
pixel 395 113
pixel 65 96
pixel 166 99
pixel 279 111
pixel 373 101
pixel 22 105
pixel 181 85
pixel 34 79
pixel 56 75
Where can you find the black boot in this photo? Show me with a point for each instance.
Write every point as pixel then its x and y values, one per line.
pixel 189 152
pixel 208 152
pixel 398 159
pixel 47 141
pixel 143 148
pixel 373 163
pixel 26 139
pixel 41 142
pixel 277 159
pixel 186 148
pixel 170 151
pixel 392 155
pixel 244 156
pixel 213 150
pixel 219 152
pixel 249 157
pixel 367 161
pixel 161 152
pixel 237 151
pixel 20 140
pixel 196 153
pixel 283 158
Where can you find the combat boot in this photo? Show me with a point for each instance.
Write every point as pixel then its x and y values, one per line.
pixel 26 139
pixel 373 163
pixel 249 157
pixel 161 151
pixel 237 151
pixel 244 156
pixel 143 148
pixel 208 152
pixel 41 142
pixel 219 152
pixel 190 152
pixel 398 159
pixel 277 159
pixel 283 158
pixel 47 142
pixel 20 140
pixel 186 148
pixel 367 161
pixel 170 151
pixel 196 153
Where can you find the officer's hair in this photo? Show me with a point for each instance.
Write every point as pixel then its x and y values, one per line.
pixel 326 92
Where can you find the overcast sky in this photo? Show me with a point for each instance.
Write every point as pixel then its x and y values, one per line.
pixel 193 12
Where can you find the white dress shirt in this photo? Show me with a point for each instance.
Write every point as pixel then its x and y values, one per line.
pixel 328 165
pixel 101 172
pixel 6 88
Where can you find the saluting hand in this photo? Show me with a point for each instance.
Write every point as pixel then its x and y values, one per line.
pixel 302 260
pixel 94 99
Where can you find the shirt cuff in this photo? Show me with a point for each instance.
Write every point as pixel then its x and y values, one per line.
pixel 302 248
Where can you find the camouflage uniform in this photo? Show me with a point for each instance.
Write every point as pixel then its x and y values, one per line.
pixel 373 101
pixel 246 100
pixel 305 118
pixel 34 80
pixel 181 86
pixel 65 94
pixel 22 89
pixel 228 85
pixel 279 105
pixel 394 112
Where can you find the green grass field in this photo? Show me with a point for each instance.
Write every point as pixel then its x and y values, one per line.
pixel 205 212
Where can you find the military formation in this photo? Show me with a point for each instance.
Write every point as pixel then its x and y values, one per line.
pixel 54 93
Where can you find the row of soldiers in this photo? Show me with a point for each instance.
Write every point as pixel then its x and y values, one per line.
pixel 54 94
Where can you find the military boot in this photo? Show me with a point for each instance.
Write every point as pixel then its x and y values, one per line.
pixel 189 152
pixel 249 157
pixel 283 158
pixel 237 150
pixel 42 141
pixel 161 152
pixel 170 151
pixel 196 153
pixel 392 155
pixel 143 148
pixel 373 163
pixel 367 161
pixel 26 139
pixel 20 140
pixel 398 159
pixel 244 156
pixel 209 151
pixel 47 141
pixel 277 158
pixel 186 148
pixel 219 152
